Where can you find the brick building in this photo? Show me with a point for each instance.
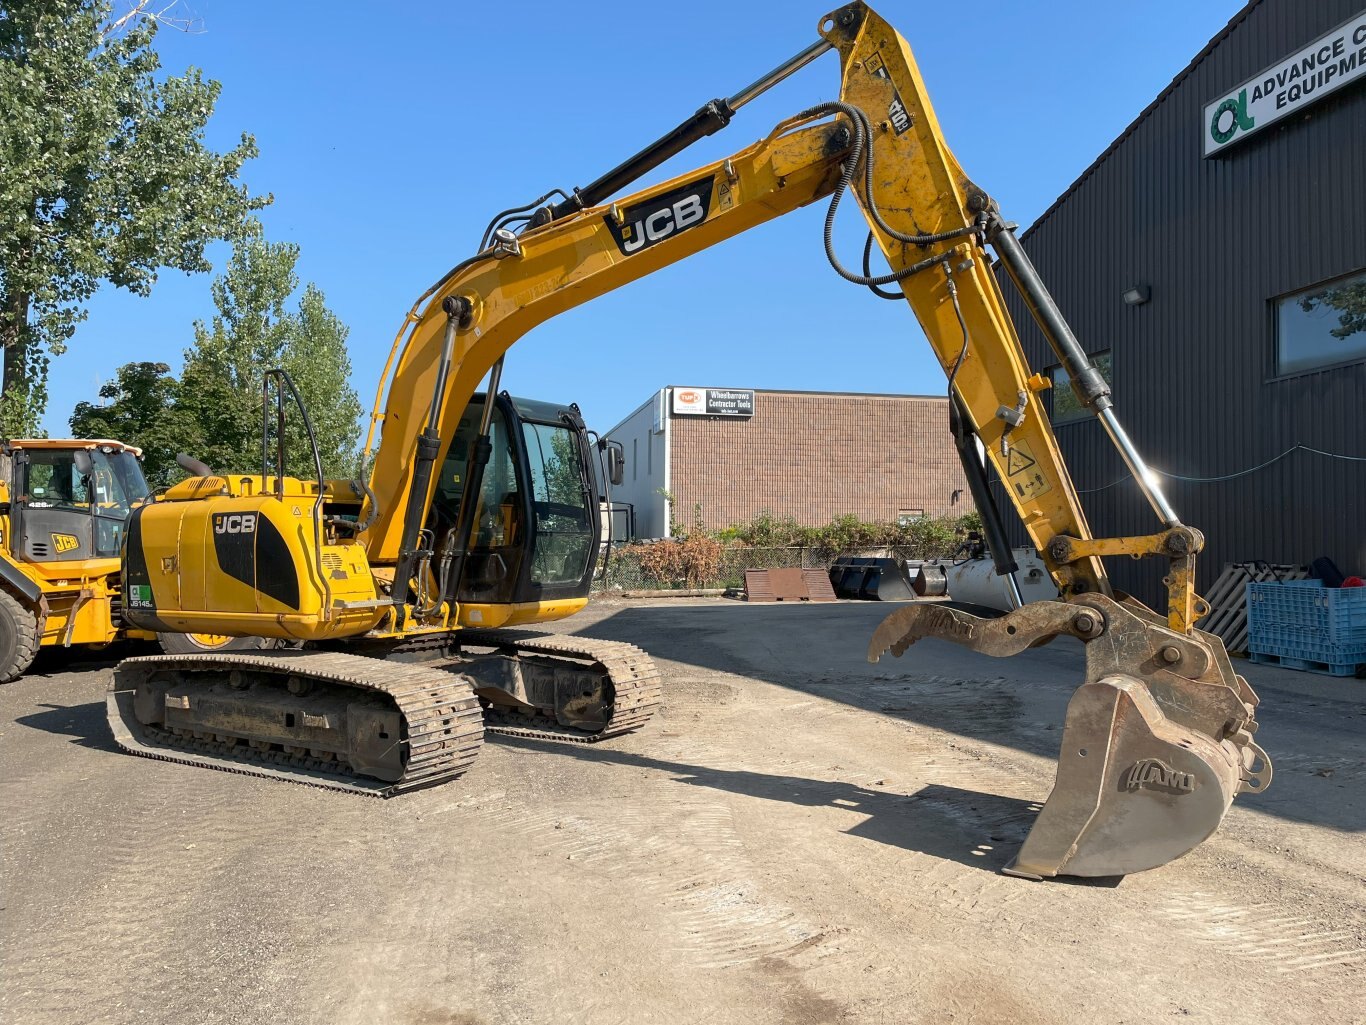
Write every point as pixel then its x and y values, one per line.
pixel 809 455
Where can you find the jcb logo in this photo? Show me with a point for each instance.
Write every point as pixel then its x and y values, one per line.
pixel 897 114
pixel 660 218
pixel 234 523
pixel 65 542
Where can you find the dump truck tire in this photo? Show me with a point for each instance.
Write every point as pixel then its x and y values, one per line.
pixel 18 637
pixel 199 644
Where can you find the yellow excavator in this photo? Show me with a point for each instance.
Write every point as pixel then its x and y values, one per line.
pixel 64 504
pixel 480 513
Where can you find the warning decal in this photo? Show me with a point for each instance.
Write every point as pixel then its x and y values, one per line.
pixel 1018 462
pixel 1022 473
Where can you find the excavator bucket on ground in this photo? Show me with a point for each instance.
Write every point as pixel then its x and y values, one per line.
pixel 1157 740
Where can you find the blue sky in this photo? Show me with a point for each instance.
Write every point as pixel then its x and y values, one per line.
pixel 390 133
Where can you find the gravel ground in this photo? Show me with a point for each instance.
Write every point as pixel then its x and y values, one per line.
pixel 799 837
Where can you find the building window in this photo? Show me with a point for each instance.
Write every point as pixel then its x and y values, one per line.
pixel 906 517
pixel 635 456
pixel 1066 407
pixel 1321 326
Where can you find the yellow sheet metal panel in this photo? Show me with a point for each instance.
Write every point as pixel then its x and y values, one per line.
pixel 250 565
pixel 485 617
pixel 78 618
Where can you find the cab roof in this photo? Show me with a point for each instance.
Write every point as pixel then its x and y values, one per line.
pixel 73 443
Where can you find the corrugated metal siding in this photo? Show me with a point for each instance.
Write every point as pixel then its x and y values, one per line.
pixel 1216 240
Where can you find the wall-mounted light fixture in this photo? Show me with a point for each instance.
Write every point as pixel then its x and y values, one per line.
pixel 1137 295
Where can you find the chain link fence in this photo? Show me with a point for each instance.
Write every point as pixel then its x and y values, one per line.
pixel 625 572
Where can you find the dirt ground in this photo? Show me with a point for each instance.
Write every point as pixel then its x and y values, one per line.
pixel 800 837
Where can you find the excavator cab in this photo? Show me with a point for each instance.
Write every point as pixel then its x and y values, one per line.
pixel 536 520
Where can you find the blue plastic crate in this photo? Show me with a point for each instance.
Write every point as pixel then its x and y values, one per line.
pixel 1296 642
pixel 1336 615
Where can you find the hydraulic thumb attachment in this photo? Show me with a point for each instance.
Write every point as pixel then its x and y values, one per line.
pixel 1156 744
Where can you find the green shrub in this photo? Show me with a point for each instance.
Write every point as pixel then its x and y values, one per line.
pixel 928 538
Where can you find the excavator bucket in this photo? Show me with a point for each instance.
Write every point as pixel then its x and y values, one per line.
pixel 1157 740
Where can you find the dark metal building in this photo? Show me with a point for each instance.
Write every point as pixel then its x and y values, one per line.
pixel 1243 331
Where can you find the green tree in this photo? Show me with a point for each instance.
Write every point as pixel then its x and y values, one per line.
pixel 563 474
pixel 1348 300
pixel 104 177
pixel 315 356
pixel 255 331
pixel 139 407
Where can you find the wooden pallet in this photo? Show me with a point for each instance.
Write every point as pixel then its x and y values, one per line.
pixel 1228 599
pixel 788 585
pixel 1305 664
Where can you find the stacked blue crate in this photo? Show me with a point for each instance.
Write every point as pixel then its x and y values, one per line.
pixel 1304 625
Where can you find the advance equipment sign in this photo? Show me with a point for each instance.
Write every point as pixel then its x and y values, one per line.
pixel 712 402
pixel 1326 64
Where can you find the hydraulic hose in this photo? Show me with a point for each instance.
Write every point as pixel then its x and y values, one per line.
pixel 862 148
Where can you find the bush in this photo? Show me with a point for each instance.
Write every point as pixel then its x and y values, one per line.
pixel 928 538
pixel 692 562
pixel 767 531
pixel 703 558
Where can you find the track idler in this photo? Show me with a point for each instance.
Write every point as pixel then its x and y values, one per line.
pixel 1156 744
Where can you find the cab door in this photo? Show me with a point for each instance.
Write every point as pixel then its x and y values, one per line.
pixel 53 506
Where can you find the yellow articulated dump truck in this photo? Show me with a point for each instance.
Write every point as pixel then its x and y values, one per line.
pixel 64 507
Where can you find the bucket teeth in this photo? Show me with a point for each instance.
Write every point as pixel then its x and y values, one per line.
pixel 1156 744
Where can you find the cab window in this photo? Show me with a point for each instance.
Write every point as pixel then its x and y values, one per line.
pixel 53 481
pixel 498 494
pixel 564 531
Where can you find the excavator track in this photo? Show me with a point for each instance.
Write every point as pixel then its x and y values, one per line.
pixel 632 675
pixel 441 722
pixel 629 671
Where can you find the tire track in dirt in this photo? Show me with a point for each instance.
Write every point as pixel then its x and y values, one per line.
pixel 906 772
pixel 688 864
pixel 1311 951
pixel 1302 945
pixel 144 889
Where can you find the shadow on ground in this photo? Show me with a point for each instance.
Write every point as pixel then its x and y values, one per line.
pixel 975 829
pixel 1018 702
pixel 85 724
pixel 53 662
pixel 979 830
